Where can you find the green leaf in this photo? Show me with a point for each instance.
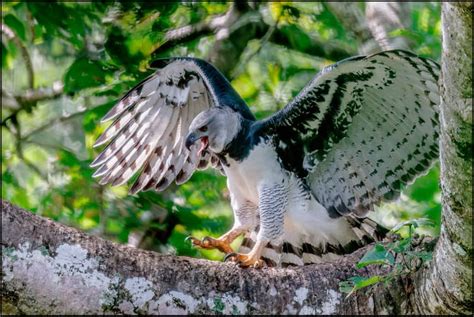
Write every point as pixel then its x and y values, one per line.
pixel 51 16
pixel 364 282
pixel 94 115
pixel 356 283
pixel 4 56
pixel 84 73
pixel 11 53
pixel 377 255
pixel 116 48
pixel 346 287
pixel 16 25
pixel 409 34
pixel 296 37
pixel 63 20
pixel 402 245
pixel 423 255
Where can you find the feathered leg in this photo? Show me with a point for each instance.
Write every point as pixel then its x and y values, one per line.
pixel 273 203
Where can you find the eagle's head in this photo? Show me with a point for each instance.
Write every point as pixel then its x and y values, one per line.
pixel 215 128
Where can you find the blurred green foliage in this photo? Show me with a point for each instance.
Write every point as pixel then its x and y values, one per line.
pixel 99 50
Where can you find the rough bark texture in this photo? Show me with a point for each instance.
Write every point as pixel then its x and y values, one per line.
pixel 447 287
pixel 48 268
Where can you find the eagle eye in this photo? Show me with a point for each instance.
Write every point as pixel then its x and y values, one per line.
pixel 203 128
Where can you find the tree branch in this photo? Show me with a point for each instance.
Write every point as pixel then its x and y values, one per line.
pixel 24 53
pixel 237 71
pixel 384 17
pixel 40 94
pixel 372 27
pixel 351 16
pixel 26 101
pixel 54 121
pixel 190 32
pixel 231 41
pixel 49 268
pixel 9 101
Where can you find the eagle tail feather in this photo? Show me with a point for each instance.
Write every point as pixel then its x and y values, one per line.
pixel 287 254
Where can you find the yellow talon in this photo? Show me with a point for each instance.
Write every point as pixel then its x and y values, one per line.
pixel 244 260
pixel 210 243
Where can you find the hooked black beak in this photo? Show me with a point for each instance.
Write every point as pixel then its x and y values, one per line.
pixel 191 139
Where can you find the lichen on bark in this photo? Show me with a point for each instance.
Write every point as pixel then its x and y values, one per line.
pixel 49 268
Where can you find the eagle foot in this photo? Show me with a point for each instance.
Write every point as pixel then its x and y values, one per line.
pixel 244 260
pixel 211 243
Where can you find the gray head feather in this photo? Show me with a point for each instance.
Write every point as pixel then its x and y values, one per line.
pixel 219 125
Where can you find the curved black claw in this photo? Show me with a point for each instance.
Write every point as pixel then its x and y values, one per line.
pixel 244 260
pixel 230 256
pixel 192 239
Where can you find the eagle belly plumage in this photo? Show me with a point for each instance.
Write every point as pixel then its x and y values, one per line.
pixel 301 181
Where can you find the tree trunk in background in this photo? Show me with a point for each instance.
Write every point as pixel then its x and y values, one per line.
pixel 372 28
pixel 447 287
pixel 385 17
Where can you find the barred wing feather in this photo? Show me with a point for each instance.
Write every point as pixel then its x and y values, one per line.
pixel 151 123
pixel 361 129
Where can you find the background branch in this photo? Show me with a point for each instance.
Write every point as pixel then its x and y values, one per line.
pixel 27 100
pixel 24 53
pixel 190 32
pixel 352 17
pixel 384 17
pixel 41 94
pixel 53 122
pixel 242 24
pixel 241 68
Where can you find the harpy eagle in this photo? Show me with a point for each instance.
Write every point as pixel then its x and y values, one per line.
pixel 302 180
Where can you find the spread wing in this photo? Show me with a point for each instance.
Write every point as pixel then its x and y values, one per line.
pixel 361 129
pixel 151 123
